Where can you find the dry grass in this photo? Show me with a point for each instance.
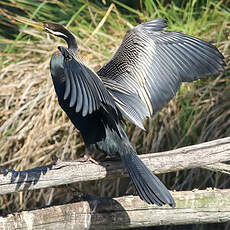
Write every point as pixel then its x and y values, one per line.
pixel 33 127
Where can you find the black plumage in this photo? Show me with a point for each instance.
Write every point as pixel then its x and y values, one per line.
pixel 151 63
pixel 141 77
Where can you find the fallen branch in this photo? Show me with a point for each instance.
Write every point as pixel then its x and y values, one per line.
pixel 70 172
pixel 193 207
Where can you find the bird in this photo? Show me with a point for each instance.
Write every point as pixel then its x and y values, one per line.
pixel 141 77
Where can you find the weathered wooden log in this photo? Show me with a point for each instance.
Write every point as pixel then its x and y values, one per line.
pixel 193 207
pixel 69 172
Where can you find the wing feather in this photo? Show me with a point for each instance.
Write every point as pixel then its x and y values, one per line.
pixel 67 88
pixel 73 83
pixel 80 96
pixel 151 63
pixel 83 88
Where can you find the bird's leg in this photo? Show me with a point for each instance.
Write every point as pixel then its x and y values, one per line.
pixel 87 158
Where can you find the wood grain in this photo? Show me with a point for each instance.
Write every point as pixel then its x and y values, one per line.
pixel 193 207
pixel 69 172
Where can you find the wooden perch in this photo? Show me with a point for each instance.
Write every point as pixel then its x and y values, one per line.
pixel 70 172
pixel 193 207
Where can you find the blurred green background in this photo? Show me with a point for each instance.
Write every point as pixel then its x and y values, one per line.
pixel 33 127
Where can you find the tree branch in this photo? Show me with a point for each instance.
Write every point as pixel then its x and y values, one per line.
pixel 193 207
pixel 70 172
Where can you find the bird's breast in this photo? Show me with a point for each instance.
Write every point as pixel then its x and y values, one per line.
pixel 57 73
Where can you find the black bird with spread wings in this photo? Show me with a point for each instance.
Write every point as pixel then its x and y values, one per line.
pixel 142 76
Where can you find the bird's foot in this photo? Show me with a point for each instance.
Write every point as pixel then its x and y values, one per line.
pixel 61 163
pixel 87 158
pixel 58 163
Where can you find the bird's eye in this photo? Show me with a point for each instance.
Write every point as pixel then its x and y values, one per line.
pixel 68 58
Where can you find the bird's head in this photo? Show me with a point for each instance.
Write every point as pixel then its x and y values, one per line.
pixel 51 28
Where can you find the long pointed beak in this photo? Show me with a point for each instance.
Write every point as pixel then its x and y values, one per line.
pixel 36 25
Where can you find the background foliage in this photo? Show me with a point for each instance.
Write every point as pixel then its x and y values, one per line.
pixel 33 127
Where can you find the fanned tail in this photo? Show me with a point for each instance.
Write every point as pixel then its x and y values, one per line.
pixel 148 186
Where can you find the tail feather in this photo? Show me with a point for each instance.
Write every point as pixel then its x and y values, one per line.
pixel 148 186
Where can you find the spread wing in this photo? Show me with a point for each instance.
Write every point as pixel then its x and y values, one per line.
pixel 83 88
pixel 150 65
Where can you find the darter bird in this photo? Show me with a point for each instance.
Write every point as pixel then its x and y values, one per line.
pixel 142 76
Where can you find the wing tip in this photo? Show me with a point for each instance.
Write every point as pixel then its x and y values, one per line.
pixel 157 24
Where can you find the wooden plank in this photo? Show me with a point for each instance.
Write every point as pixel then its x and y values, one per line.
pixel 193 207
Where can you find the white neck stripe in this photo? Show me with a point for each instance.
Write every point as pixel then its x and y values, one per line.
pixel 57 33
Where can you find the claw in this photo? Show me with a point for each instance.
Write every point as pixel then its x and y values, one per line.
pixel 87 158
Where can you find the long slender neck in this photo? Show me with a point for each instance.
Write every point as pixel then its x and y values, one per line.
pixel 70 39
